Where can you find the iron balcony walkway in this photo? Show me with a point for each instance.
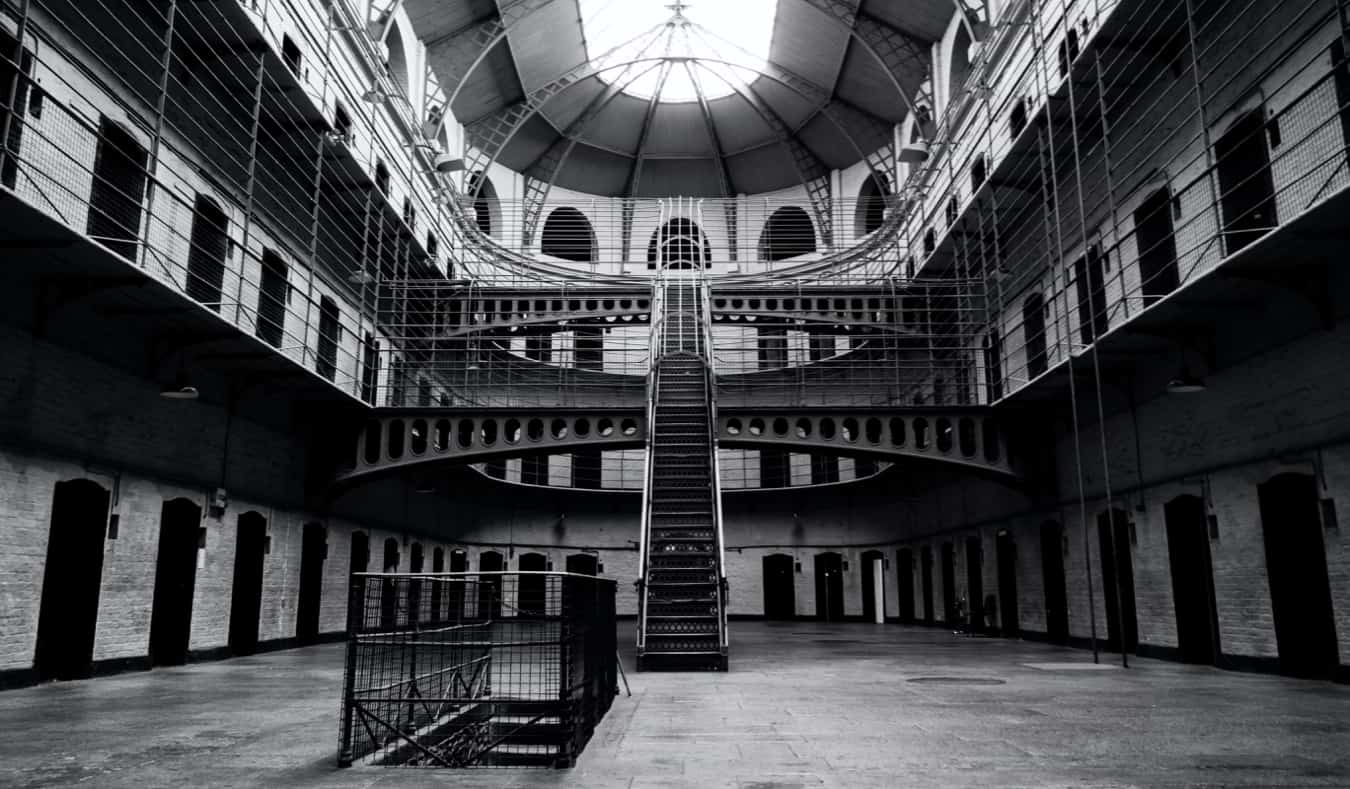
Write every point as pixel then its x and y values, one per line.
pixel 683 618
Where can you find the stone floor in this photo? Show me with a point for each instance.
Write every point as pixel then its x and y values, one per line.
pixel 805 705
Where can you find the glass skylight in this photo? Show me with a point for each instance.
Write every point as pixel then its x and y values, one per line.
pixel 737 32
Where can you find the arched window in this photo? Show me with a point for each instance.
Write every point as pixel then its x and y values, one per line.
pixel 382 177
pixel 486 208
pixel 960 63
pixel 787 234
pixel 871 208
pixel 568 235
pixel 679 244
pixel 397 64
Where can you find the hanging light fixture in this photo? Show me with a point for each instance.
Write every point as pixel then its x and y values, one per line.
pixel 361 277
pixel 914 152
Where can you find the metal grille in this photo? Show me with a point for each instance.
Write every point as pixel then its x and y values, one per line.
pixel 488 669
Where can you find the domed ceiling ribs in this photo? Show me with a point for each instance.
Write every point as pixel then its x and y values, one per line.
pixel 719 159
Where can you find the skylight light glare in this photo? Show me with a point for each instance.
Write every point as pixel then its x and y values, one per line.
pixel 650 29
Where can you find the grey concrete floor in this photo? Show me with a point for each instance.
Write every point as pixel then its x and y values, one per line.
pixel 805 705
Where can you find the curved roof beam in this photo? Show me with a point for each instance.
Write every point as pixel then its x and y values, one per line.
pixel 889 47
pixel 478 40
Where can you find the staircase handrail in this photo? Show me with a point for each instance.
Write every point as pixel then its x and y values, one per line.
pixel 715 465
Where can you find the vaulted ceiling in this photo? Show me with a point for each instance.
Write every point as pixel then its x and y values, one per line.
pixel 824 90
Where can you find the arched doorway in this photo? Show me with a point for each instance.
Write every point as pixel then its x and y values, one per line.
pixel 313 551
pixel 583 564
pixel 975 602
pixel 1033 334
pixel 870 213
pixel 532 589
pixel 416 564
pixel 904 580
pixel 246 594
pixel 1052 578
pixel 1246 185
pixel 118 190
pixel 454 603
pixel 438 585
pixel 359 562
pixel 679 244
pixel 1155 238
pixel 490 586
pixel 787 234
pixel 873 587
pixel 71 579
pixel 829 587
pixel 388 587
pixel 1192 579
pixel 926 576
pixel 1005 550
pixel 1113 532
pixel 568 235
pixel 180 526
pixel 206 253
pixel 780 594
pixel 1296 567
pixel 950 615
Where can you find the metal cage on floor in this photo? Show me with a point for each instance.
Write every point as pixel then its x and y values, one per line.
pixel 487 669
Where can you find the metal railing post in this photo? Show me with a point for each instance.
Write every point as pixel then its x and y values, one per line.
pixel 355 600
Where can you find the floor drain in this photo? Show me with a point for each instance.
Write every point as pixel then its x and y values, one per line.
pixel 957 680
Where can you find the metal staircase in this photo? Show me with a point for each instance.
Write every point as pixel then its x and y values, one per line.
pixel 682 622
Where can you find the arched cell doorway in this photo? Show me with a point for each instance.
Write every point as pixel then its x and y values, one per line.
pixel 788 234
pixel 873 586
pixel 679 244
pixel 437 586
pixel 1053 581
pixel 532 589
pixel 455 594
pixel 1192 579
pixel 780 595
pixel 416 564
pixel 1005 554
pixel 388 588
pixel 1246 183
pixel 829 587
pixel 489 587
pixel 397 64
pixel 246 593
pixel 950 613
pixel 583 564
pixel 904 579
pixel 1113 532
pixel 870 212
pixel 1296 567
pixel 568 235
pixel 313 552
pixel 180 525
pixel 926 576
pixel 118 190
pixel 71 581
pixel 209 244
pixel 976 614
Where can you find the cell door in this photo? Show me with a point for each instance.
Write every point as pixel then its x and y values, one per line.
pixel 1296 567
pixel 1052 578
pixel 780 597
pixel 71 580
pixel 533 589
pixel 118 190
pixel 1192 579
pixel 975 602
pixel 246 597
pixel 180 524
pixel 926 572
pixel 489 586
pixel 1155 238
pixel 949 612
pixel 313 549
pixel 1006 556
pixel 904 579
pixel 1118 581
pixel 1246 186
pixel 829 587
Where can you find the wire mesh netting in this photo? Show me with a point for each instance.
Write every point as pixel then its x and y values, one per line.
pixel 487 669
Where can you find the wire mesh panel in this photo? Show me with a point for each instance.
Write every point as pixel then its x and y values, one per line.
pixel 492 669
